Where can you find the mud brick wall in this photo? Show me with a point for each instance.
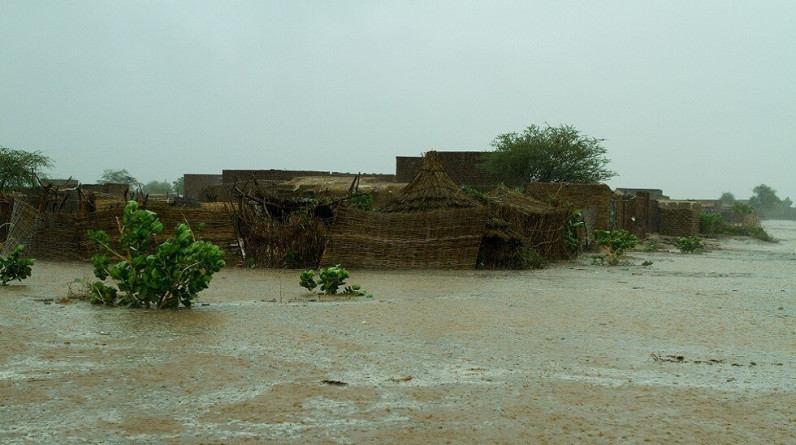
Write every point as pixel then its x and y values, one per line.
pixel 231 176
pixel 463 167
pixel 653 217
pixel 679 218
pixel 195 183
pixel 594 199
pixel 116 190
pixel 631 213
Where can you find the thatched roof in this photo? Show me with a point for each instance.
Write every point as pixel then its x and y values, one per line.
pixel 504 196
pixel 431 189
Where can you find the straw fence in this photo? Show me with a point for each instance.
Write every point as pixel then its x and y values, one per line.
pixel 62 236
pixel 436 239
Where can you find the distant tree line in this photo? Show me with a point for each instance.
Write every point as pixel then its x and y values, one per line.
pixel 764 202
pixel 21 169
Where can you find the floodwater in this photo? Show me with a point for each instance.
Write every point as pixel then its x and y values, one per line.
pixel 694 348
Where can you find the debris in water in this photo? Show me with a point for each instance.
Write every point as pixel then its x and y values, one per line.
pixel 334 382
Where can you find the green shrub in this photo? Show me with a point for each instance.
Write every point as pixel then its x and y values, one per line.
pixel 476 194
pixel 714 224
pixel 363 201
pixel 530 258
pixel 616 241
pixel 331 279
pixel 15 268
pixel 307 279
pixel 571 229
pixel 688 244
pixel 601 260
pixel 742 208
pixel 147 273
pixel 293 259
pixel 652 246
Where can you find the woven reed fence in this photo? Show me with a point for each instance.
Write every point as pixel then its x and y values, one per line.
pixel 6 209
pixel 436 239
pixel 62 236
pixel 297 243
pixel 21 228
pixel 593 200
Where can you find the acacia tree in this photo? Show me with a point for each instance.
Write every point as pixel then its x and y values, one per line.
pixel 548 154
pixel 179 185
pixel 110 176
pixel 19 168
pixel 158 187
pixel 767 204
pixel 727 199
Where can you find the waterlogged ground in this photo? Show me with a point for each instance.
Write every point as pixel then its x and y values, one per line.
pixel 694 349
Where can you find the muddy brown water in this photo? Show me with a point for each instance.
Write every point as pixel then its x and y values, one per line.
pixel 694 349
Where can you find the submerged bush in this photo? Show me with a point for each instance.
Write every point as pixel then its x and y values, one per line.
pixel 147 273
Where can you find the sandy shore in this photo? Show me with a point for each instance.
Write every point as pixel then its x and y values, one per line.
pixel 692 349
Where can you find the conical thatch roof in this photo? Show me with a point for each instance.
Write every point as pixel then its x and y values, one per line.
pixel 431 189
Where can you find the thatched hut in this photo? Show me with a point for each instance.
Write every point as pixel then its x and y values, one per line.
pixel 277 229
pixel 431 225
pixel 431 189
pixel 522 232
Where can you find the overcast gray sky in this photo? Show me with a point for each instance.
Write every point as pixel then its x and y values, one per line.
pixel 693 97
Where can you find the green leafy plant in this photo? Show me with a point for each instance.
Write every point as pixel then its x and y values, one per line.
pixel 331 279
pixel 293 259
pixel 689 244
pixel 653 246
pixel 15 268
pixel 601 260
pixel 307 279
pixel 355 290
pixel 573 225
pixel 742 208
pixel 148 273
pixel 363 201
pixel 476 194
pixel 714 224
pixel 616 241
pixel 530 258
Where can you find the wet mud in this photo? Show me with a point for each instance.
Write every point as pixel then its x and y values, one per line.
pixel 694 348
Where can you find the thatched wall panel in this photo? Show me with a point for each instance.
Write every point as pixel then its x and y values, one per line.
pixel 440 239
pixel 62 236
pixel 593 198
